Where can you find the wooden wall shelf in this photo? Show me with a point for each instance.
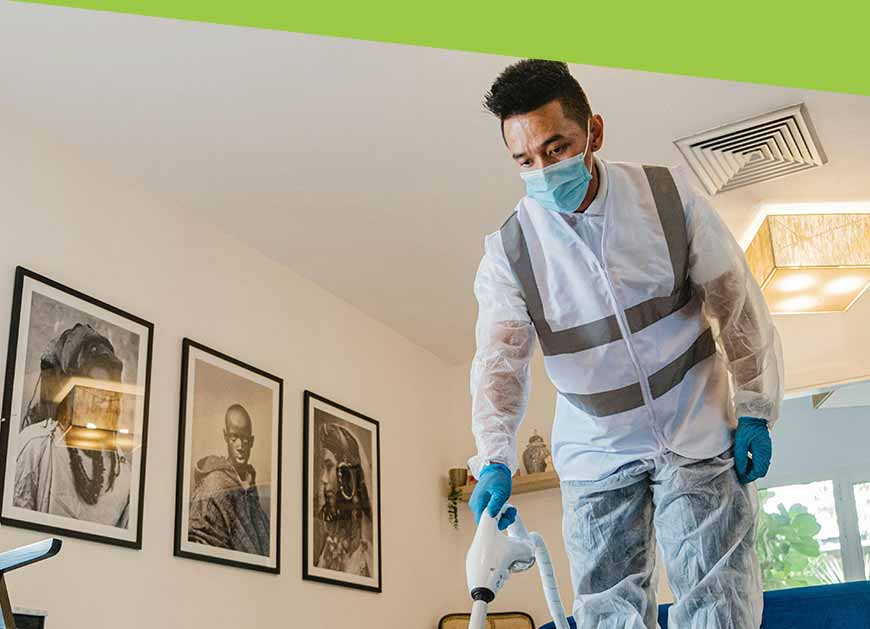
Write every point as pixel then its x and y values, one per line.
pixel 522 484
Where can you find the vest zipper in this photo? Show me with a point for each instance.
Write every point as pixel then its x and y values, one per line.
pixel 619 313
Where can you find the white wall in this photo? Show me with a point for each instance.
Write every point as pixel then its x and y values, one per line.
pixel 73 222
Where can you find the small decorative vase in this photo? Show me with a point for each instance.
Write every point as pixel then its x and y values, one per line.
pixel 536 454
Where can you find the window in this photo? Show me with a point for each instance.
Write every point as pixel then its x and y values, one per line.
pixel 814 533
pixel 799 536
pixel 821 532
pixel 862 507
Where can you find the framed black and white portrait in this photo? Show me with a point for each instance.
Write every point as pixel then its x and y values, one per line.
pixel 341 504
pixel 75 409
pixel 228 494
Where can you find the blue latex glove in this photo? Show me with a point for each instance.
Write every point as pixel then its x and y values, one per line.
pixel 752 436
pixel 491 493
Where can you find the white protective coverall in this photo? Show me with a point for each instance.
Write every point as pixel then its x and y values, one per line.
pixel 655 335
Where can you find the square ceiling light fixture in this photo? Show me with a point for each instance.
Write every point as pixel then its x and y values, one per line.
pixel 811 263
pixel 769 146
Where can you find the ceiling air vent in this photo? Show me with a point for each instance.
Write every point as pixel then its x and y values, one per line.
pixel 773 145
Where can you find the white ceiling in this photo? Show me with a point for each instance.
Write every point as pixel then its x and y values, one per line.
pixel 369 168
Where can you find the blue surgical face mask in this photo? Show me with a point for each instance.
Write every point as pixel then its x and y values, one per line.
pixel 560 187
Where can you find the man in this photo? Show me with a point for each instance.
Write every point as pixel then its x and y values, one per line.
pixel 225 508
pixel 344 535
pixel 87 484
pixel 653 332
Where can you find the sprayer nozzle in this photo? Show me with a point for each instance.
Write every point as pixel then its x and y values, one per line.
pixel 482 594
pixel 478 616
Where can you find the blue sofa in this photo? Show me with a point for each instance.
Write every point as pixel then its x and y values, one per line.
pixel 843 606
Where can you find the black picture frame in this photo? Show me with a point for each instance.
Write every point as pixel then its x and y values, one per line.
pixel 180 494
pixel 309 400
pixel 22 273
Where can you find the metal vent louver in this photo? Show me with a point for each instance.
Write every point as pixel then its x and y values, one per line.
pixel 773 145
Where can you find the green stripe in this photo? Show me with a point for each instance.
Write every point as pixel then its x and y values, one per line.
pixel 820 47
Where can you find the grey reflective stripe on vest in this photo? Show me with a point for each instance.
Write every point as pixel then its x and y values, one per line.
pixel 648 312
pixel 673 373
pixel 569 341
pixel 630 397
pixel 672 217
pixel 607 402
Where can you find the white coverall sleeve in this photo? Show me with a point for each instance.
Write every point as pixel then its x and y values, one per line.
pixel 500 371
pixel 734 306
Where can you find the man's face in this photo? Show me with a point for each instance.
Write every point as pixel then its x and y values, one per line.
pixel 237 434
pixel 328 478
pixel 545 136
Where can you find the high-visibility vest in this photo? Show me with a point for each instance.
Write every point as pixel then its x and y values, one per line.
pixel 624 340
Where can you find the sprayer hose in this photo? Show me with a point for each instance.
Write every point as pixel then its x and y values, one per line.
pixel 548 582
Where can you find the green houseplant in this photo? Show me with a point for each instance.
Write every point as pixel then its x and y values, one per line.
pixel 787 547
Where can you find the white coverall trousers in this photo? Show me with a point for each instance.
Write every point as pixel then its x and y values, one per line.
pixel 705 521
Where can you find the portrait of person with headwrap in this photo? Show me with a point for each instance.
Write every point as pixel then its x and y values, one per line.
pixel 77 409
pixel 89 483
pixel 343 532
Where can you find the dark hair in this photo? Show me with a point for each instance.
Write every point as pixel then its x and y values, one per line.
pixel 532 83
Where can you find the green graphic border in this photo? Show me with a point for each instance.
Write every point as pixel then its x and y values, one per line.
pixel 814 45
